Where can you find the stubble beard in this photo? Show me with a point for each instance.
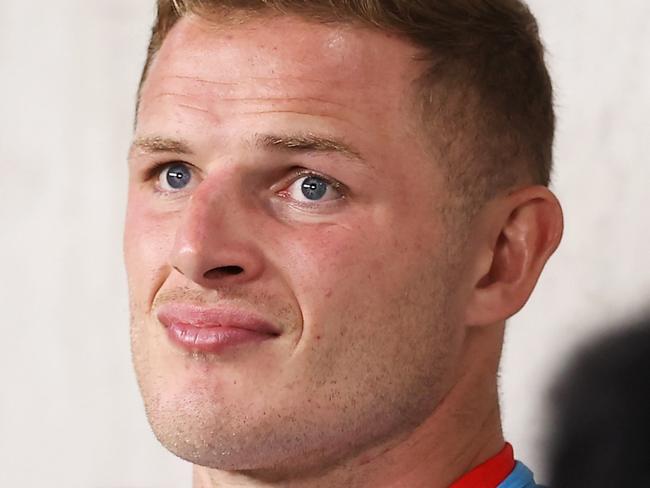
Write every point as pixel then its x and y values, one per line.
pixel 329 423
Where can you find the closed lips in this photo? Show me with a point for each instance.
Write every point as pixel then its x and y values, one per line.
pixel 213 330
pixel 200 317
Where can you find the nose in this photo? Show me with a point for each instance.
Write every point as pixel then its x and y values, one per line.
pixel 214 243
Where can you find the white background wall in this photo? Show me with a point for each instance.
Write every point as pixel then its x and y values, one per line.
pixel 70 414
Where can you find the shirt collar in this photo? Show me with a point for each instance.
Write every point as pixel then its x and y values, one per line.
pixel 490 473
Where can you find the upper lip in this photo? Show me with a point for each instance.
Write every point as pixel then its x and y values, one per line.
pixel 201 316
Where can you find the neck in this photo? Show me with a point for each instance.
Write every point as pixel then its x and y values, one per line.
pixel 463 432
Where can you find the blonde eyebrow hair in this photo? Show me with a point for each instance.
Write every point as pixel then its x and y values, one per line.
pixel 158 144
pixel 306 143
pixel 301 143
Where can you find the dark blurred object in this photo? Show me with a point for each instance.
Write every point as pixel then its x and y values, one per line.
pixel 601 426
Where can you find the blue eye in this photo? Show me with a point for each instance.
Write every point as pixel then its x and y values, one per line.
pixel 175 177
pixel 313 188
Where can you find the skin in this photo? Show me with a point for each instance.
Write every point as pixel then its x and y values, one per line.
pixel 391 322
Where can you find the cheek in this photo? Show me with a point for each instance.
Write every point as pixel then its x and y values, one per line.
pixel 148 240
pixel 374 252
pixel 332 268
pixel 345 277
pixel 325 257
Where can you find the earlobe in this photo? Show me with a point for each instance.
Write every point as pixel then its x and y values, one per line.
pixel 528 225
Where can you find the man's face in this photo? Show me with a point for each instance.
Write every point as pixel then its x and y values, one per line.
pixel 299 203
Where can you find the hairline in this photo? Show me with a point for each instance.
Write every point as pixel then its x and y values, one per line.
pixel 427 99
pixel 415 96
pixel 215 16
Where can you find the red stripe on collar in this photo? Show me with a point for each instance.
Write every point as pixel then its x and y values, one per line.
pixel 490 473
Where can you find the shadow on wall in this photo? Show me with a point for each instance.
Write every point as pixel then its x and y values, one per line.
pixel 601 413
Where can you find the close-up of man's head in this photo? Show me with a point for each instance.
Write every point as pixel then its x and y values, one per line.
pixel 334 206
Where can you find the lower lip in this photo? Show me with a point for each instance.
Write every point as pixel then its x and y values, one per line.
pixel 212 339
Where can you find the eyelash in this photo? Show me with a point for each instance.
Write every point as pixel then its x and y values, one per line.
pixel 153 173
pixel 299 172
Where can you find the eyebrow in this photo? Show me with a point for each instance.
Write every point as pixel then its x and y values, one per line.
pixel 157 144
pixel 306 143
pixel 299 143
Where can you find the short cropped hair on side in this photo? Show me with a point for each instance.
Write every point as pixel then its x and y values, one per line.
pixel 485 101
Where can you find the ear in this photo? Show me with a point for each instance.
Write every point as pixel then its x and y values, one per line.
pixel 516 236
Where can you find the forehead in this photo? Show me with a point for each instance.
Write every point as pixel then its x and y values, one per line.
pixel 284 57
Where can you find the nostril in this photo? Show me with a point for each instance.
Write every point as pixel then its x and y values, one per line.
pixel 232 270
pixel 222 271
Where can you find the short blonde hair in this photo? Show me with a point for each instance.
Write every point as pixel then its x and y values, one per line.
pixel 486 99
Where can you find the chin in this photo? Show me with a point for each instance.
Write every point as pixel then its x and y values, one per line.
pixel 205 442
pixel 267 440
pixel 200 437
